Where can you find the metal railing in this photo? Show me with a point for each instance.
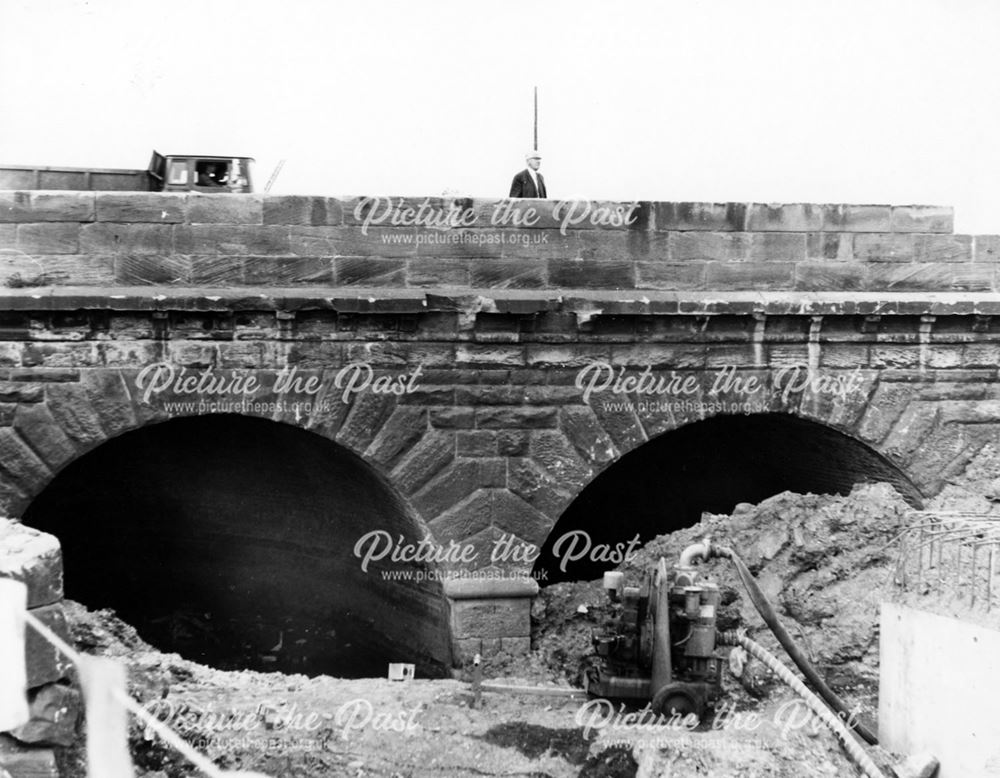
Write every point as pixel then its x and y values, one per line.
pixel 954 553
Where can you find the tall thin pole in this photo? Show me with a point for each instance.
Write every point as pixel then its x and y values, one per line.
pixel 536 119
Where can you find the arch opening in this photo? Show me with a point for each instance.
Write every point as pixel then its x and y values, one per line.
pixel 230 540
pixel 711 466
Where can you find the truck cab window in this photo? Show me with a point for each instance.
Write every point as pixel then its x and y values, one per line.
pixel 177 172
pixel 212 173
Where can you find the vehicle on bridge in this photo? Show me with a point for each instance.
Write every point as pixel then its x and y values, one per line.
pixel 166 173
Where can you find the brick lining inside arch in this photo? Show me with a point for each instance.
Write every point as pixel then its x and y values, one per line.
pixel 712 465
pixel 220 537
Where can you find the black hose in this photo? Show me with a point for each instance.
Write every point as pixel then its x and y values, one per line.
pixel 770 617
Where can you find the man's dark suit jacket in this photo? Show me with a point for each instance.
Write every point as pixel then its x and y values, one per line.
pixel 523 186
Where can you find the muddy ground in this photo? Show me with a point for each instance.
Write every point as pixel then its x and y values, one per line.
pixel 826 562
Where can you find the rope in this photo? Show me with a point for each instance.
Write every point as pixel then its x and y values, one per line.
pixel 202 762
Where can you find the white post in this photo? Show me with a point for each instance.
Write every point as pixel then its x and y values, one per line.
pixel 14 677
pixel 107 721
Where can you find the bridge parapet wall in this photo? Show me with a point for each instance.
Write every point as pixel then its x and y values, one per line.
pixel 129 239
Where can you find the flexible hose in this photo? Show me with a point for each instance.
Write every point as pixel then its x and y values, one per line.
pixel 834 722
pixel 767 613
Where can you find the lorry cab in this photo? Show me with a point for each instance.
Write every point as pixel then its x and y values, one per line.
pixel 190 173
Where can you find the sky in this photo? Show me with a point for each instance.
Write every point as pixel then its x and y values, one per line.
pixel 874 101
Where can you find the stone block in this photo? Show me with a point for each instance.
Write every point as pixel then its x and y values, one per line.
pixel 476 443
pixel 366 271
pixel 719 217
pixel 514 417
pixel 153 207
pixel 114 238
pixel 830 246
pixel 21 463
pixel 45 663
pixel 830 276
pixel 883 247
pixel 464 650
pixel 857 218
pixel 923 218
pixel 55 710
pixel 48 238
pixel 288 271
pixel 932 277
pixel 791 217
pixel 771 276
pixel 225 209
pixel 20 761
pixel 708 246
pixel 591 274
pixel 987 248
pixel 942 248
pixel 455 482
pixel 437 271
pixel 506 617
pixel 295 209
pixel 147 269
pixel 35 559
pixel 217 271
pixel 670 276
pixel 508 274
pixel 236 239
pixel 777 247
pixel 61 207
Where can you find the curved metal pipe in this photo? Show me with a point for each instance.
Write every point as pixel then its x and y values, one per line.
pixel 695 551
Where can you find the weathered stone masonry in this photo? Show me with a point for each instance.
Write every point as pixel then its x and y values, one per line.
pixel 499 320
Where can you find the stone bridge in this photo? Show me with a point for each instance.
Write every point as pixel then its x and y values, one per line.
pixel 243 407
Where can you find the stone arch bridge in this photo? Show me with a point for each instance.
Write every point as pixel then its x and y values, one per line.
pixel 324 406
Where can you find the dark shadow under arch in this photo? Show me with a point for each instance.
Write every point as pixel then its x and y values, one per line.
pixel 713 465
pixel 230 540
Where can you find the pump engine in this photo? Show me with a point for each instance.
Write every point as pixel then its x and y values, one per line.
pixel 660 641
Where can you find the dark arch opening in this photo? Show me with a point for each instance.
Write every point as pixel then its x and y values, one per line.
pixel 713 465
pixel 230 540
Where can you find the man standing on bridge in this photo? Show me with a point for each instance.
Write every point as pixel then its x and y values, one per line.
pixel 529 182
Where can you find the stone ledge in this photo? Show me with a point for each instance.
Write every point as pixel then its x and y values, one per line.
pixel 487 588
pixel 584 303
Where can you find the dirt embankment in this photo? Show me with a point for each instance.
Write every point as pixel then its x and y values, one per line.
pixel 825 561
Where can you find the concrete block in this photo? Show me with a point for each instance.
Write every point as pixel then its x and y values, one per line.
pixel 35 559
pixel 941 707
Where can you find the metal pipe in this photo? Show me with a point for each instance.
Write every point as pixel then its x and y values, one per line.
pixel 695 551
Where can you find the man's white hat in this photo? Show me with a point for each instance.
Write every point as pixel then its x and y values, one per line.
pixel 532 155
